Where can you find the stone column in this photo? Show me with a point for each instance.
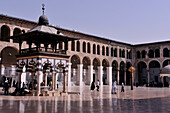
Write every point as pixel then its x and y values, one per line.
pixel 2 70
pixel 117 76
pixel 32 76
pixel 23 78
pixel 100 74
pixel 118 51
pixel 53 80
pixel 69 74
pixel 162 79
pixel 80 74
pixel 39 73
pixel 90 73
pixel 148 76
pixel 109 76
pixel 28 74
pixel 45 79
pixel 19 79
pixel 125 76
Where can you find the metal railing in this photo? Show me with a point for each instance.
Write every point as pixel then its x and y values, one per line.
pixel 42 50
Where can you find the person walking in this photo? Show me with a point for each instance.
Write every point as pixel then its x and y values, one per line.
pixel 6 87
pixel 97 85
pixel 122 89
pixel 114 88
pixel 92 86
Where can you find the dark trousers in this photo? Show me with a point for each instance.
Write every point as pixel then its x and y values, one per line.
pixel 97 88
pixel 122 90
pixel 6 91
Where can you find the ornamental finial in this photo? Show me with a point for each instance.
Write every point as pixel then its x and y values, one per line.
pixel 43 5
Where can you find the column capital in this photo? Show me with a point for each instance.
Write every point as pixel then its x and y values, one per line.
pixel 110 67
pixel 79 65
pixel 90 66
pixel 69 64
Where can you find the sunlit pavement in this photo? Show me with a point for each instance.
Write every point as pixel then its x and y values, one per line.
pixel 139 100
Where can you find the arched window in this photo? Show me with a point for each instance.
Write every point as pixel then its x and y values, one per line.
pixel 73 45
pixel 103 50
pixel 23 31
pixel 127 54
pixel 115 52
pixel 165 52
pixel 138 54
pixel 98 49
pixel 151 53
pixel 84 47
pixel 120 53
pixel 130 54
pixel 94 49
pixel 157 53
pixel 78 46
pixel 5 33
pixel 16 32
pixel 143 54
pixel 112 52
pixel 123 53
pixel 88 47
pixel 107 51
pixel 60 45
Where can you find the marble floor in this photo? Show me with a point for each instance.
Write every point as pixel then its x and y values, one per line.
pixel 139 100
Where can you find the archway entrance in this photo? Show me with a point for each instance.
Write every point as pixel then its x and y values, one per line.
pixel 142 73
pixel 154 73
pixel 96 64
pixel 75 60
pixel 122 70
pixel 105 64
pixel 165 78
pixel 114 71
pixel 8 63
pixel 128 65
pixel 86 64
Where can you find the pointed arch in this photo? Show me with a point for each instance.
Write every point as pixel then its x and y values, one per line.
pixel 103 50
pixel 121 72
pixel 107 51
pixel 151 53
pixel 94 48
pixel 88 47
pixel 5 33
pixel 84 47
pixel 142 73
pixel 73 45
pixel 128 65
pixel 75 60
pixel 78 46
pixel 114 70
pixel 165 52
pixel 98 49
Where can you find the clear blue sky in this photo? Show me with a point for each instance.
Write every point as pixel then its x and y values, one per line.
pixel 130 21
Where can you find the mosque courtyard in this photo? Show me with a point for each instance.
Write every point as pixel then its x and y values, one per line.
pixel 139 100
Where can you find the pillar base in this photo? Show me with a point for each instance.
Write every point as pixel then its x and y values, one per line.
pixel 67 93
pixel 63 93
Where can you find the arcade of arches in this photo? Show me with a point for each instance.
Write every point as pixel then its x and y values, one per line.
pixel 88 70
pixel 93 58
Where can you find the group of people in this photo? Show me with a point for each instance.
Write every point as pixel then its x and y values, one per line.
pixel 51 84
pixel 93 85
pixel 114 87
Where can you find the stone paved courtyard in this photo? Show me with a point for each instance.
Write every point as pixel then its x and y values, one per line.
pixel 140 100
